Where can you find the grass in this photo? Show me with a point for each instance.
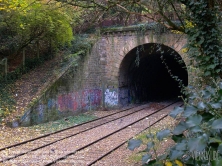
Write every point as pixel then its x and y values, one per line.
pixel 136 158
pixel 62 123
pixel 6 100
pixel 159 146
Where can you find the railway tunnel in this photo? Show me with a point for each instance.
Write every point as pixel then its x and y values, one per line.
pixel 143 74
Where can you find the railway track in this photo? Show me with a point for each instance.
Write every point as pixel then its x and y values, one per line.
pixel 87 143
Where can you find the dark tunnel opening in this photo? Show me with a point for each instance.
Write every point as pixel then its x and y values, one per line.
pixel 150 80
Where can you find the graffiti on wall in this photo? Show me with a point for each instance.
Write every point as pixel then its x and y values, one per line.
pixel 111 97
pixel 51 104
pixel 86 99
pixel 40 113
pixel 54 106
pixel 124 96
pixel 68 102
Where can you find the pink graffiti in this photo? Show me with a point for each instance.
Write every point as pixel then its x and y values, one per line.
pixel 65 102
pixel 80 100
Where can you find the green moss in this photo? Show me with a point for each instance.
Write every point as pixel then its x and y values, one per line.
pixel 62 123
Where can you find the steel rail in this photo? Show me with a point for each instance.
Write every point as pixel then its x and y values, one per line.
pixel 46 135
pixel 83 147
pixel 70 128
pixel 118 146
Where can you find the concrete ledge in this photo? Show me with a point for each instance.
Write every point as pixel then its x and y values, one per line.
pixel 146 26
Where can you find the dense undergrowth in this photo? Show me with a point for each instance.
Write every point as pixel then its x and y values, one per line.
pixel 197 135
pixel 80 46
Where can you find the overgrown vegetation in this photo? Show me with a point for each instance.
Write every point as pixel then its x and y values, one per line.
pixel 201 124
pixel 30 31
pixel 25 23
pixel 152 143
pixel 6 100
pixel 198 135
pixel 79 47
pixel 201 113
pixel 204 37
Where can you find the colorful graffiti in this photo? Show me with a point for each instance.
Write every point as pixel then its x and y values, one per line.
pixel 65 102
pixel 91 98
pixel 85 99
pixel 54 106
pixel 111 97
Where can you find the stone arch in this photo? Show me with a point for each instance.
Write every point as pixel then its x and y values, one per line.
pixel 150 80
pixel 111 49
pixel 119 44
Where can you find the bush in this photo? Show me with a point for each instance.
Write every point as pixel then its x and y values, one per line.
pixel 198 136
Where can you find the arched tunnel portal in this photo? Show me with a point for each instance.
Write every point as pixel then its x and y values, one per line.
pixel 143 74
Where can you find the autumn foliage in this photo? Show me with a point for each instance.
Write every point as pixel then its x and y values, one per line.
pixel 24 23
